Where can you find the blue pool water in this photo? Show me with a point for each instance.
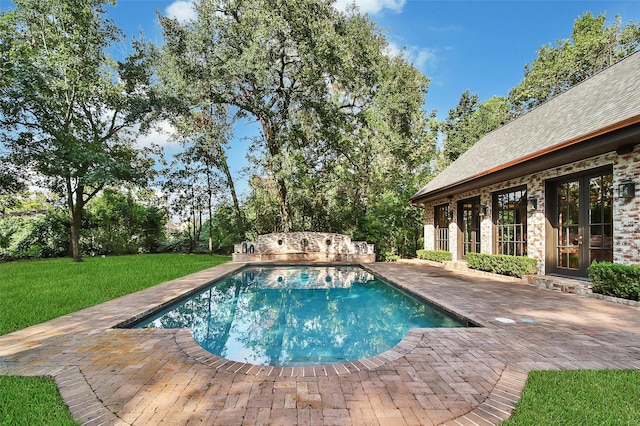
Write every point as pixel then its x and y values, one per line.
pixel 300 316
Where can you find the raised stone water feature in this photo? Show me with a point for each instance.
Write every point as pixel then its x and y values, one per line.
pixel 304 246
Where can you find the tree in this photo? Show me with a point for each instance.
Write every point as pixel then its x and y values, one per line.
pixel 67 109
pixel 189 186
pixel 469 121
pixel 319 82
pixel 197 118
pixel 118 222
pixel 593 47
pixel 11 183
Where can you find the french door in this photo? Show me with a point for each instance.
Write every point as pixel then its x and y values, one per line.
pixel 441 220
pixel 468 227
pixel 582 209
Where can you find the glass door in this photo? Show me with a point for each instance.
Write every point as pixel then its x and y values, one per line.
pixel 569 231
pixel 584 223
pixel 469 226
pixel 601 218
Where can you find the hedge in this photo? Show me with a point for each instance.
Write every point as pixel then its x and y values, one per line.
pixel 612 279
pixel 516 266
pixel 435 255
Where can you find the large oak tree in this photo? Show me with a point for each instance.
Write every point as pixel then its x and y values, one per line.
pixel 334 108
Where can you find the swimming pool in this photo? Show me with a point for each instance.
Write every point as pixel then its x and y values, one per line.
pixel 302 315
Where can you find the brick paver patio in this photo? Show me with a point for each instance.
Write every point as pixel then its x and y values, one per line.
pixel 470 376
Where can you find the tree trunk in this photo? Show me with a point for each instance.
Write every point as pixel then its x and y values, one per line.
pixel 274 150
pixel 232 189
pixel 210 207
pixel 74 208
pixel 285 216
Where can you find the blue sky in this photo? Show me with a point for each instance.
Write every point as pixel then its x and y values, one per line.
pixel 478 45
pixel 459 44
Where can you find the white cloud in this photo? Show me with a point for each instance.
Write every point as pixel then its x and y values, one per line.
pixel 181 10
pixel 161 134
pixel 371 6
pixel 423 58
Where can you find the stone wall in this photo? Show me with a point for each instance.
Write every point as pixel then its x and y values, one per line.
pixel 626 228
pixel 304 246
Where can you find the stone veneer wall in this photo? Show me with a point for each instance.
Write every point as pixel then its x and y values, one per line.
pixel 626 213
pixel 304 246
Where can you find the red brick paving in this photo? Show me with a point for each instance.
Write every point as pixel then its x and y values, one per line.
pixel 469 376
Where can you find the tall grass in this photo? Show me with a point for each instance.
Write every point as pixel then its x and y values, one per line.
pixel 37 291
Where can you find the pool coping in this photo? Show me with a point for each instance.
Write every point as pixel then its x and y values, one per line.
pixel 189 345
pixel 48 349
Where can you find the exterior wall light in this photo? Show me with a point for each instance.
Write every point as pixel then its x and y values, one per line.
pixel 532 204
pixel 626 189
pixel 450 215
pixel 483 210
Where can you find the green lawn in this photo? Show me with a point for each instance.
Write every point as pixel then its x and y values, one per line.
pixel 27 401
pixel 583 397
pixel 37 291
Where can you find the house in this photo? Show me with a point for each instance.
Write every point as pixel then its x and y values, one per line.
pixel 557 184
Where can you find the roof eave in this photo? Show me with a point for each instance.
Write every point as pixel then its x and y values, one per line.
pixel 603 140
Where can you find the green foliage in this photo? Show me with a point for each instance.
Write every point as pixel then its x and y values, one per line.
pixel 32 236
pixel 67 109
pixel 586 397
pixel 593 47
pixel 227 230
pixel 470 121
pixel 115 223
pixel 37 291
pixel 49 237
pixel 26 401
pixel 12 182
pixel 616 280
pixel 516 266
pixel 434 255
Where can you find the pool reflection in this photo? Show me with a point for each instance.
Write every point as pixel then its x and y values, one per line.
pixel 293 316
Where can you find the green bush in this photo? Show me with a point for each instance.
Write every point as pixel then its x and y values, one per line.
pixel 516 266
pixel 390 256
pixel 434 255
pixel 616 280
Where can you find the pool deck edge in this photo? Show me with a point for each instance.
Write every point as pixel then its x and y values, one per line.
pixel 433 376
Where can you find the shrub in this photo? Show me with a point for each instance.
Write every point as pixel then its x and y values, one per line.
pixel 616 280
pixel 434 255
pixel 391 256
pixel 516 266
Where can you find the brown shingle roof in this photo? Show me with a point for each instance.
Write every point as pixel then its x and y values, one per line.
pixel 592 107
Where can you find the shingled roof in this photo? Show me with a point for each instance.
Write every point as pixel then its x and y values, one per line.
pixel 606 102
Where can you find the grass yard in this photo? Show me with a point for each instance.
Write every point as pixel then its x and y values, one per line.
pixel 582 397
pixel 40 290
pixel 27 401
